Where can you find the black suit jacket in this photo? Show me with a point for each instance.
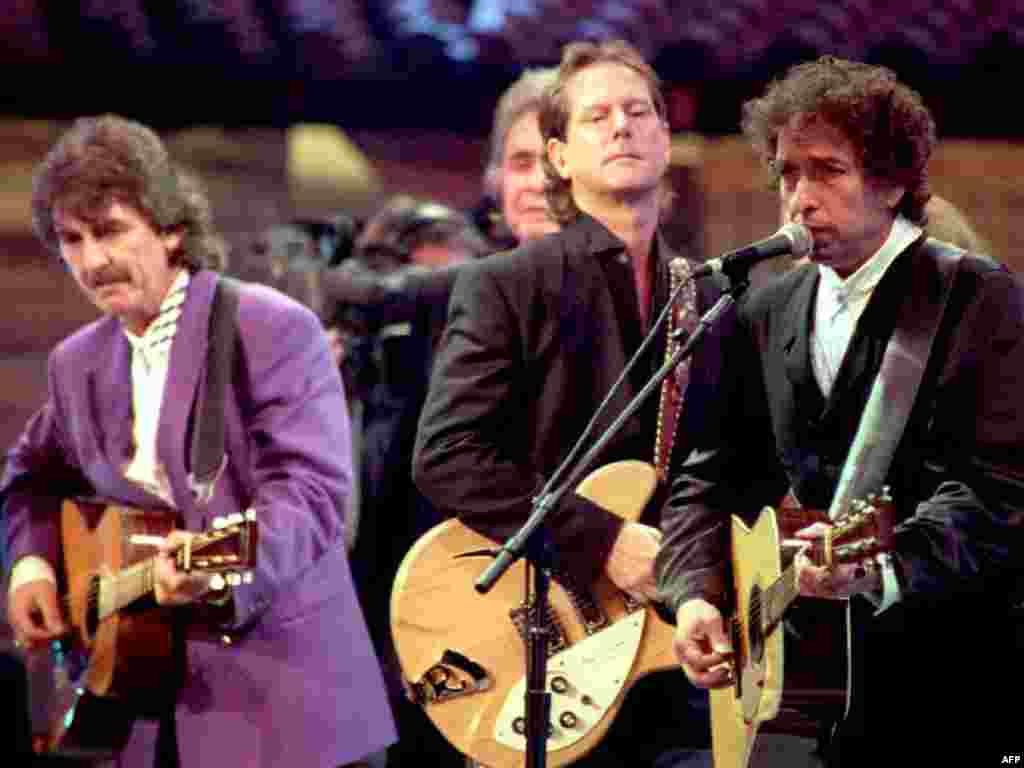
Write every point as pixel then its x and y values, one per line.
pixel 957 476
pixel 536 338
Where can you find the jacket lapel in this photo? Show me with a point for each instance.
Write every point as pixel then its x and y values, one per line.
pixel 796 332
pixel 109 394
pixel 871 336
pixel 186 369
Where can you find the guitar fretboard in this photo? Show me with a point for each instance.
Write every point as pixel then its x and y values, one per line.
pixel 120 590
pixel 777 598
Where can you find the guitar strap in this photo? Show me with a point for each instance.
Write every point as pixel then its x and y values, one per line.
pixel 673 388
pixel 207 452
pixel 892 395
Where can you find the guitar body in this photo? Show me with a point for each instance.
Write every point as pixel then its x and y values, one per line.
pixel 130 666
pixel 738 711
pixel 123 660
pixel 464 656
pixel 130 651
pixel 791 677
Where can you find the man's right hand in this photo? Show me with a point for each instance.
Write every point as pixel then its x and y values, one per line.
pixel 630 564
pixel 34 614
pixel 701 644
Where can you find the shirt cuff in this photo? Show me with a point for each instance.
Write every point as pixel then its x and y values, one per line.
pixel 31 568
pixel 891 593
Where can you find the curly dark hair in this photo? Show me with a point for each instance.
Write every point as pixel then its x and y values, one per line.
pixel 892 131
pixel 555 109
pixel 107 158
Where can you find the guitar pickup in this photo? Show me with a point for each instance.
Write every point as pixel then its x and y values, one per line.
pixel 556 640
pixel 454 676
pixel 587 607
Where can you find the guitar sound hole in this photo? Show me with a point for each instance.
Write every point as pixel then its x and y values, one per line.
pixel 92 607
pixel 755 638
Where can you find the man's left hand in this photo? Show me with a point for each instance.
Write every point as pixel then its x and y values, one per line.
pixel 838 581
pixel 171 586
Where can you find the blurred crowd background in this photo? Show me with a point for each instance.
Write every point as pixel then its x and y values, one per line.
pixel 380 63
pixel 310 110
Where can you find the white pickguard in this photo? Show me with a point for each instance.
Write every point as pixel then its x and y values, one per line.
pixel 596 668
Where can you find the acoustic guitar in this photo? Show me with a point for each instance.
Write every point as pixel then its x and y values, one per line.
pixel 121 660
pixel 770 681
pixel 463 654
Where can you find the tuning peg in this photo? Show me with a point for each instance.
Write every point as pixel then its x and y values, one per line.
pixel 219 523
pixel 234 579
pixel 247 577
pixel 217 582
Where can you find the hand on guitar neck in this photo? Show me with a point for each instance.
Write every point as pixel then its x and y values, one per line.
pixel 171 585
pixel 836 582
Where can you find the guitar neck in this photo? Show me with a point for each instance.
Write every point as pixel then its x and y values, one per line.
pixel 778 597
pixel 119 590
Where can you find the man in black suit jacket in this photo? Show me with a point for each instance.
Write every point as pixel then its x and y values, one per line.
pixel 933 636
pixel 536 338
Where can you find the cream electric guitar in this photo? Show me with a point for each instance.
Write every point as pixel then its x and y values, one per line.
pixel 463 654
pixel 769 683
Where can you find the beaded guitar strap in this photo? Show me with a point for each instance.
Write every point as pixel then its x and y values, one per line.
pixel 673 388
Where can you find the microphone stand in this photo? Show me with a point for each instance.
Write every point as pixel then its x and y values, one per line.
pixel 533 540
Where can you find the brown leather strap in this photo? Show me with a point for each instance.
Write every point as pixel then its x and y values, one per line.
pixel 673 388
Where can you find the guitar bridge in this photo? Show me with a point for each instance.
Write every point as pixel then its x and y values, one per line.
pixel 454 676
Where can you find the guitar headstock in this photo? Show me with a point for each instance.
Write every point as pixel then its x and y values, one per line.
pixel 227 550
pixel 860 533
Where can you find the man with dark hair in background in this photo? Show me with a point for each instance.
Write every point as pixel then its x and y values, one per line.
pixel 389 366
pixel 279 669
pixel 513 179
pixel 848 145
pixel 536 338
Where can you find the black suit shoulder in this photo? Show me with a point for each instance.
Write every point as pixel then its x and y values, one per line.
pixel 758 304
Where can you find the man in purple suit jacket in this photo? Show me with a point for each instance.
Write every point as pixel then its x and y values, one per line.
pixel 277 669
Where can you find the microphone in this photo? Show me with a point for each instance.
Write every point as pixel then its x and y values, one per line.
pixel 793 238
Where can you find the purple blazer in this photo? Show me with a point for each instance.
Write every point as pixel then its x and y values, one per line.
pixel 294 679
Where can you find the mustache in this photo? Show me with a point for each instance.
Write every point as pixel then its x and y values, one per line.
pixel 105 275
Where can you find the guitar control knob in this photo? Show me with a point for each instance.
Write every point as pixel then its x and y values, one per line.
pixel 559 684
pixel 519 725
pixel 568 720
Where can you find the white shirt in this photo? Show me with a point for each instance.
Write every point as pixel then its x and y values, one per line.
pixel 150 358
pixel 151 354
pixel 839 305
